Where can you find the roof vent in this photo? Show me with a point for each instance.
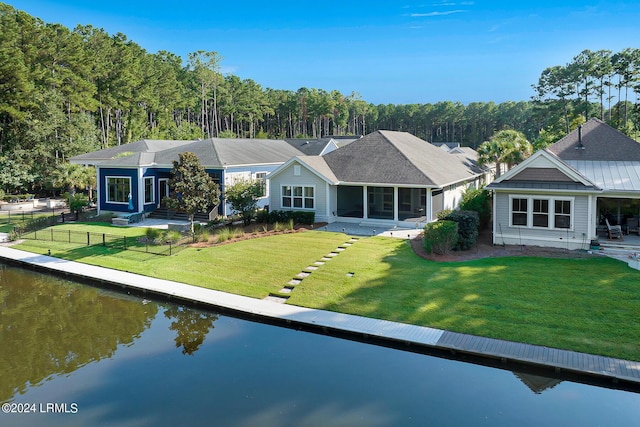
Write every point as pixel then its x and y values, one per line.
pixel 580 146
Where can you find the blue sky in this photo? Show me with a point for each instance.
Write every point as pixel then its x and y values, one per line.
pixel 391 52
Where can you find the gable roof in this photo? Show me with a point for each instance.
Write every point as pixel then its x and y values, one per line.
pixel 596 141
pixel 142 146
pixel 212 153
pixel 544 171
pixel 390 157
pixel 320 146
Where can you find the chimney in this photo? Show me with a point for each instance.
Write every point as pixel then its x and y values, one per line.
pixel 580 146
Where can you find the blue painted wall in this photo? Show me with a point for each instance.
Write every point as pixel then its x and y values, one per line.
pixel 156 173
pixel 117 172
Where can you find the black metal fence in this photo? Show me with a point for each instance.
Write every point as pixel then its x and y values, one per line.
pixel 19 217
pixel 111 241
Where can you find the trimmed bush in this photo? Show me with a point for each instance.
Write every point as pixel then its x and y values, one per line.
pixel 440 236
pixel 298 217
pixel 478 200
pixel 468 226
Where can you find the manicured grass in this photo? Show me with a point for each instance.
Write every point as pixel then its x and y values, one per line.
pixel 17 219
pixel 254 267
pixel 588 305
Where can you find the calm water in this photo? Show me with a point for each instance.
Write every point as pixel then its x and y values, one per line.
pixel 111 359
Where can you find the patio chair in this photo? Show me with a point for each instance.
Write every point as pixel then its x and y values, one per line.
pixel 633 226
pixel 615 231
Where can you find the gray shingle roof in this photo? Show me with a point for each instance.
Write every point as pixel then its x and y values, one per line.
pixel 389 157
pixel 142 146
pixel 600 142
pixel 310 147
pixel 212 153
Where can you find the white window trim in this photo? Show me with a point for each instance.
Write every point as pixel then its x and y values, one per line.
pixel 153 189
pixel 551 213
pixel 314 198
pixel 266 185
pixel 106 181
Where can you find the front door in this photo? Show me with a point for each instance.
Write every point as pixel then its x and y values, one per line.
pixel 163 183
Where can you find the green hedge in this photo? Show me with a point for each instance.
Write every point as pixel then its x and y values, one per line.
pixel 468 226
pixel 298 217
pixel 478 200
pixel 440 236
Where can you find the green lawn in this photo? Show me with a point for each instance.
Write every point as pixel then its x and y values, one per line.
pixel 587 305
pixel 254 267
pixel 17 219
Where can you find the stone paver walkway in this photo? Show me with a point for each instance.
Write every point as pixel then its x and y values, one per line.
pixel 615 372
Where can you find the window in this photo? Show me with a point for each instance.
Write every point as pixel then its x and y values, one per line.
pixel 540 213
pixel 261 177
pixel 296 170
pixel 149 190
pixel 118 189
pixel 519 212
pixel 550 212
pixel 298 197
pixel 562 218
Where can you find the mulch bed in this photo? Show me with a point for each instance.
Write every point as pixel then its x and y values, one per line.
pixel 485 249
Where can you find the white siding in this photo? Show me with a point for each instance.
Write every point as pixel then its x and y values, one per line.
pixel 306 178
pixel 577 237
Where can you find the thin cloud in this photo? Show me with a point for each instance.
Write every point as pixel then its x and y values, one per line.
pixel 427 14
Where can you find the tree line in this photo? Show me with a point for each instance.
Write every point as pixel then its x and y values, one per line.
pixel 66 91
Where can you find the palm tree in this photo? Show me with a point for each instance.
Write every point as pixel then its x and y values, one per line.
pixel 506 146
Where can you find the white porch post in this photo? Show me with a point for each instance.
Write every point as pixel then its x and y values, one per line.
pixel 429 206
pixel 395 204
pixel 98 188
pixel 140 203
pixel 328 202
pixel 365 204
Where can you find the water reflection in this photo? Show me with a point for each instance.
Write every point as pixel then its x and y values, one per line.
pixel 537 383
pixel 249 373
pixel 191 327
pixel 52 327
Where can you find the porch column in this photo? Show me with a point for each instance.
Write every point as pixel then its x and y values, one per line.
pixel 140 200
pixel 395 203
pixel 98 190
pixel 365 204
pixel 429 206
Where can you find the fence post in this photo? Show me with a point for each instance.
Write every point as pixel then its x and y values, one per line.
pixel 62 215
pixel 169 248
pixel 88 239
pixel 69 236
pixel 104 240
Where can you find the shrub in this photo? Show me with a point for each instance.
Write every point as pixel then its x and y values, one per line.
pixel 468 226
pixel 237 232
pixel 443 214
pixel 277 226
pixel 440 236
pixel 172 236
pixel 262 216
pixel 478 200
pixel 222 235
pixel 298 217
pixel 290 224
pixel 154 234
